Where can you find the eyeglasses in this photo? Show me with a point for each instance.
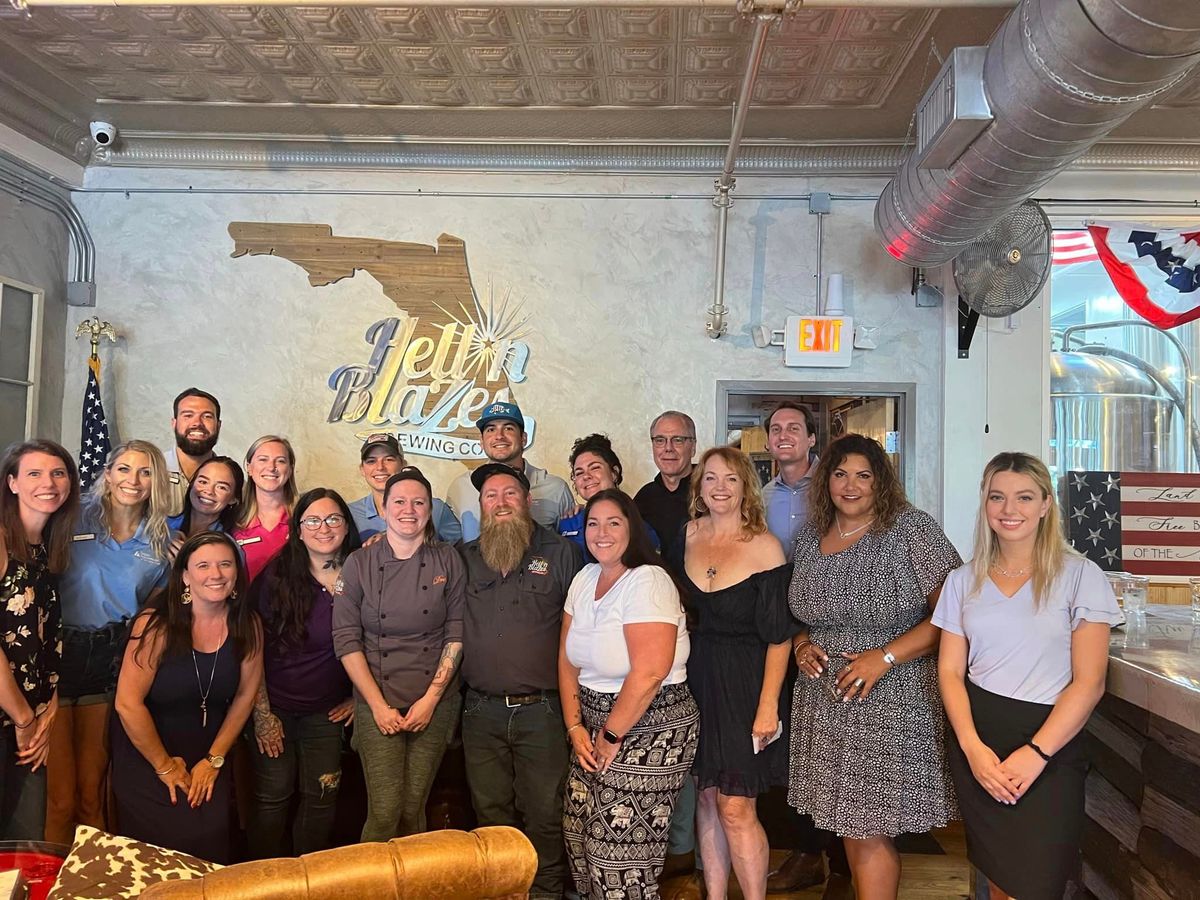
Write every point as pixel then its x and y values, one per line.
pixel 678 441
pixel 333 520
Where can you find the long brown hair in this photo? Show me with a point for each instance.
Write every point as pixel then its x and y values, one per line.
pixel 890 499
pixel 754 517
pixel 248 511
pixel 1050 547
pixel 170 619
pixel 56 536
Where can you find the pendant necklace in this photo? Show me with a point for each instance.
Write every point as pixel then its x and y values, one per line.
pixel 1015 573
pixel 204 692
pixel 852 531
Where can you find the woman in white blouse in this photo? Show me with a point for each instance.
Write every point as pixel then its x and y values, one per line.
pixel 1024 652
pixel 633 725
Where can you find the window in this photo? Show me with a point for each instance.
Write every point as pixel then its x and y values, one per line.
pixel 20 339
pixel 1117 393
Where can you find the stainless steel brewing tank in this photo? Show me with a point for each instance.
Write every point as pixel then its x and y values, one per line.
pixel 1107 415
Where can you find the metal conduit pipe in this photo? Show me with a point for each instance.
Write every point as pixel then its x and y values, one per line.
pixel 715 325
pixel 1059 76
pixel 770 4
pixel 1184 357
pixel 25 186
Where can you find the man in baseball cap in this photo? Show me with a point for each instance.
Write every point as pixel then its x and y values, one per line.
pixel 381 459
pixel 515 744
pixel 502 434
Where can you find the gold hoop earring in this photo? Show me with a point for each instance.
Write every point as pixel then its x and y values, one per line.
pixel 186 599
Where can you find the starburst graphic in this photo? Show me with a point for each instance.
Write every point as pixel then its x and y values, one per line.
pixel 496 327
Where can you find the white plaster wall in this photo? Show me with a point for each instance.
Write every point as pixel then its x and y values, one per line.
pixel 33 250
pixel 616 288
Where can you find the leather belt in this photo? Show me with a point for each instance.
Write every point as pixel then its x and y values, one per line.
pixel 512 701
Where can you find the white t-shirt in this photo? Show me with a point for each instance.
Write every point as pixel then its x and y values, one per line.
pixel 596 641
pixel 1016 650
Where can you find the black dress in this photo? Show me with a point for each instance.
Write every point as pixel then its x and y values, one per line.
pixel 730 631
pixel 144 810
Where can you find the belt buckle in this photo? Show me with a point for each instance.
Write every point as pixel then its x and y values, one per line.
pixel 511 705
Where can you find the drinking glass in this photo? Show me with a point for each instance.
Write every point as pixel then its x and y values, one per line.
pixel 1194 583
pixel 1136 589
pixel 1116 581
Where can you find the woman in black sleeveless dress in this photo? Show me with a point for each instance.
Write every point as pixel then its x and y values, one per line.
pixel 187 685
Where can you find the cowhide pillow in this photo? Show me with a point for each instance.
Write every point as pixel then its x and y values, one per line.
pixel 105 867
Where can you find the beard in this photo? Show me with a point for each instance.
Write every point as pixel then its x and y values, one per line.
pixel 503 542
pixel 202 447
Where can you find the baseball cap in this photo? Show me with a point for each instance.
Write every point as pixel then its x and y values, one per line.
pixel 380 440
pixel 408 473
pixel 483 473
pixel 501 410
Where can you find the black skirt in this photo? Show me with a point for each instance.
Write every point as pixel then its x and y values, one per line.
pixel 1031 849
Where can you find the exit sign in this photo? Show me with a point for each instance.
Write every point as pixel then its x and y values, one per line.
pixel 818 341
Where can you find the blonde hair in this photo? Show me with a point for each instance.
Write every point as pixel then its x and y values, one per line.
pixel 249 510
pixel 1050 548
pixel 98 503
pixel 754 517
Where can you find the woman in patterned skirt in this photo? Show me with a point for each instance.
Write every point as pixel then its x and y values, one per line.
pixel 867 759
pixel 622 673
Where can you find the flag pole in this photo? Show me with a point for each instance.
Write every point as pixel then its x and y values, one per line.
pixel 94 443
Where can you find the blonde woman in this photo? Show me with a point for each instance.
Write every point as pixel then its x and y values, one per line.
pixel 735 579
pixel 1024 652
pixel 119 557
pixel 267 501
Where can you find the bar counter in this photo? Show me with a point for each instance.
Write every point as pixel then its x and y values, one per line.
pixel 1142 833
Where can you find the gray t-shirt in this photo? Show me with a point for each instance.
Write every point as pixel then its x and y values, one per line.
pixel 1016 650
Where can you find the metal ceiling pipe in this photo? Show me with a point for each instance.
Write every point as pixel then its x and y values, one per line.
pixel 1059 75
pixel 29 187
pixel 556 4
pixel 715 324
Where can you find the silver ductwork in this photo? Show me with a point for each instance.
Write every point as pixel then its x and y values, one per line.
pixel 1059 76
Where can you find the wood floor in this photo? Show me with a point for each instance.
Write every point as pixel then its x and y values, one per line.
pixel 923 877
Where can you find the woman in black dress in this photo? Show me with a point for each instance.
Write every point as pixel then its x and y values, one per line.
pixel 187 685
pixel 736 576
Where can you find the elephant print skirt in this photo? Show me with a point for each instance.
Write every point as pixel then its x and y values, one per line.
pixel 616 823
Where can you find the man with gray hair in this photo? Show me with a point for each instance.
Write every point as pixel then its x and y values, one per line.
pixel 663 502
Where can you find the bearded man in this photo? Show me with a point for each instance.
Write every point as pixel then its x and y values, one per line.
pixel 518 573
pixel 196 421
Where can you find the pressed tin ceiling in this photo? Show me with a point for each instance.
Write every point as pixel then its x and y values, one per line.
pixel 646 74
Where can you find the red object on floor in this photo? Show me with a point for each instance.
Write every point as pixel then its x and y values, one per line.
pixel 39 864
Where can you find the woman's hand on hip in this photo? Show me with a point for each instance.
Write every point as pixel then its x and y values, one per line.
pixel 583 748
pixel 985 766
pixel 857 678
pixel 810 659
pixel 204 776
pixel 343 712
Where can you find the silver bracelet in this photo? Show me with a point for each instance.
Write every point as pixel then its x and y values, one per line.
pixel 889 657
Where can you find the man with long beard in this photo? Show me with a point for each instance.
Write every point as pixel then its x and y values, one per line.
pixel 518 573
pixel 197 425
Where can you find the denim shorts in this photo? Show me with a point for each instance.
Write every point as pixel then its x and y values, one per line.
pixel 90 663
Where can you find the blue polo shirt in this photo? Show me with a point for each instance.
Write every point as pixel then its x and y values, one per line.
pixel 369 522
pixel 108 581
pixel 787 506
pixel 571 527
pixel 175 523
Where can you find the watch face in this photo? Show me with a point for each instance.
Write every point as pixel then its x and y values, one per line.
pixel 216 761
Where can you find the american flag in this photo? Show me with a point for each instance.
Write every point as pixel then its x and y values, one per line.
pixel 1155 270
pixel 93 436
pixel 1145 523
pixel 1070 247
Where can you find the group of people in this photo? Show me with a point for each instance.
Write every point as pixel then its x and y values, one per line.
pixel 628 675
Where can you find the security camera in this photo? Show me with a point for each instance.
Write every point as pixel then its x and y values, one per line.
pixel 103 133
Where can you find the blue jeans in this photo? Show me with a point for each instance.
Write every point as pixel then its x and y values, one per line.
pixel 311 759
pixel 22 794
pixel 516 767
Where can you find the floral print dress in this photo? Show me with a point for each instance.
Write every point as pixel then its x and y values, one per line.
pixel 31 628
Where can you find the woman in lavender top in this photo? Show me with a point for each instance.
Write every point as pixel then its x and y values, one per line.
pixel 1024 651
pixel 304 703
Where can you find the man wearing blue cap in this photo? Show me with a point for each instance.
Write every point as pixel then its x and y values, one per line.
pixel 502 434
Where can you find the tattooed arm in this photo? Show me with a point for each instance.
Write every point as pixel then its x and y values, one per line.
pixel 421 712
pixel 268 730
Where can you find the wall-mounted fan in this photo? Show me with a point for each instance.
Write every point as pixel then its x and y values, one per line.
pixel 1002 271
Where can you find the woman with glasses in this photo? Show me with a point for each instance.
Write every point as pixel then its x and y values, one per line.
pixel 398 628
pixel 594 468
pixel 267 501
pixel 304 702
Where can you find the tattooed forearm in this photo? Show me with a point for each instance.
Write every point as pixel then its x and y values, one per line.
pixel 447 666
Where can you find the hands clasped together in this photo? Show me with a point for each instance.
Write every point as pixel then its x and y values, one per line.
pixel 593 756
pixel 1008 780
pixel 196 786
pixel 855 680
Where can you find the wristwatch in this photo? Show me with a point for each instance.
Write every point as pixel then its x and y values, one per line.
pixel 610 737
pixel 215 761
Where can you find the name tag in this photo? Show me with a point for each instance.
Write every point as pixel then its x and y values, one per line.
pixel 250 540
pixel 146 557
pixel 83 537
pixel 538 566
pixel 174 476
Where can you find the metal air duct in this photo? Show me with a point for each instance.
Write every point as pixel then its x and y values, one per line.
pixel 1059 76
